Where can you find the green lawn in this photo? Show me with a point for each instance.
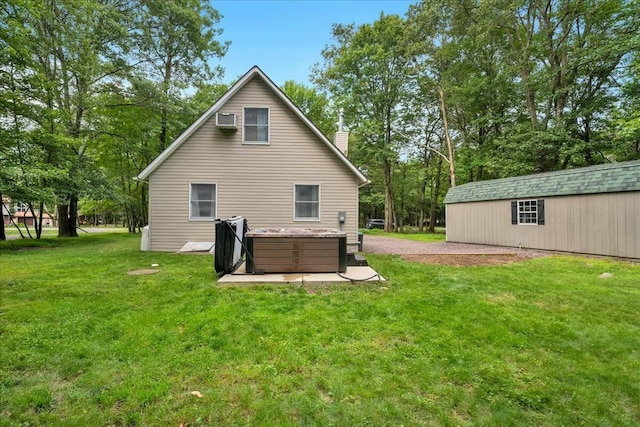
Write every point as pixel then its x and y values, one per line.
pixel 46 231
pixel 542 342
pixel 53 231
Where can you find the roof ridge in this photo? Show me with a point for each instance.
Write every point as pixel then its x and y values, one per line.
pixel 570 171
pixel 604 178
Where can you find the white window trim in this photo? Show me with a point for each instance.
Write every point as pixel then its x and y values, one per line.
pixel 295 219
pixel 215 214
pixel 268 142
pixel 535 204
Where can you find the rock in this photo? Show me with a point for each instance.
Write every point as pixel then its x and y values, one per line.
pixel 606 275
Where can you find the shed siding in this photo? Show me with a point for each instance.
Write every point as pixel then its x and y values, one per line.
pixel 601 224
pixel 254 181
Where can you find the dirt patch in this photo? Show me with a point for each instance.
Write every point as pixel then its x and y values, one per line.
pixel 465 260
pixel 142 272
pixel 505 298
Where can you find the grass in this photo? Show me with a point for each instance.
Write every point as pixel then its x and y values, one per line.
pixel 543 342
pixel 46 231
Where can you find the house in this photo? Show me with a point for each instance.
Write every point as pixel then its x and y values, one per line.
pixel 27 218
pixel 591 210
pixel 252 154
pixel 21 214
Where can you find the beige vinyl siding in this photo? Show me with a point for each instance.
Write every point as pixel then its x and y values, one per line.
pixel 601 224
pixel 253 181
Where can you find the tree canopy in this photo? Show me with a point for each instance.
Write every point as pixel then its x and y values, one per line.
pixel 91 91
pixel 492 89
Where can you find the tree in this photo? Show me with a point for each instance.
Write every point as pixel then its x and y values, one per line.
pixel 74 49
pixel 529 86
pixel 368 72
pixel 567 57
pixel 175 43
pixel 71 68
pixel 626 123
pixel 26 173
pixel 313 104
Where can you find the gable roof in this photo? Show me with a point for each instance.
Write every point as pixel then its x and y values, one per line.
pixel 607 178
pixel 45 215
pixel 255 71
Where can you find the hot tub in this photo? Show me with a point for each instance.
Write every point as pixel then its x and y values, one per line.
pixel 296 250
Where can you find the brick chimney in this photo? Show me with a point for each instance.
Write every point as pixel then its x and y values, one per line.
pixel 341 139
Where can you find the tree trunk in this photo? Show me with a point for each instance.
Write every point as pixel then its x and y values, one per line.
pixel 41 208
pixel 3 234
pixel 26 227
pixel 530 98
pixel 63 220
pixel 389 208
pixel 164 113
pixel 435 194
pixel 73 214
pixel 36 222
pixel 67 219
pixel 144 205
pixel 443 110
pixel 163 129
pixel 389 204
pixel 423 200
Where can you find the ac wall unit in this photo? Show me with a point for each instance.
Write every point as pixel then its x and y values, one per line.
pixel 226 120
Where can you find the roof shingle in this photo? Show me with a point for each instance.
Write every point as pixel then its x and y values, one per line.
pixel 607 178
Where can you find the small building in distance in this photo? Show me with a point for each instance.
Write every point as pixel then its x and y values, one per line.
pixel 591 210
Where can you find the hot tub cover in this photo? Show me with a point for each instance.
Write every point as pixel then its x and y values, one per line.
pixel 296 232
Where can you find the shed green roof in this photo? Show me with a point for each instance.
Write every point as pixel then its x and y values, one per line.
pixel 607 178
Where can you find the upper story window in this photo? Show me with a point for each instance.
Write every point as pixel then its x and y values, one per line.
pixel 202 201
pixel 256 125
pixel 306 202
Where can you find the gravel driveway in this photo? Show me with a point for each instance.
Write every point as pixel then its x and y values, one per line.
pixel 392 245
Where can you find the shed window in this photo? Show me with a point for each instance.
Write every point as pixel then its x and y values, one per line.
pixel 529 212
pixel 256 125
pixel 202 201
pixel 306 202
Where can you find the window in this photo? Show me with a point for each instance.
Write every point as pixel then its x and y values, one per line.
pixel 202 201
pixel 527 212
pixel 306 202
pixel 256 125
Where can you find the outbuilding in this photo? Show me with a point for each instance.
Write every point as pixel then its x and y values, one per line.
pixel 590 210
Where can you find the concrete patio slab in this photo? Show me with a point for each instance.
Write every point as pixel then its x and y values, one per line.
pixel 197 247
pixel 353 274
pixel 294 278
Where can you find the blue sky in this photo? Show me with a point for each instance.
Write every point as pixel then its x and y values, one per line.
pixel 285 38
